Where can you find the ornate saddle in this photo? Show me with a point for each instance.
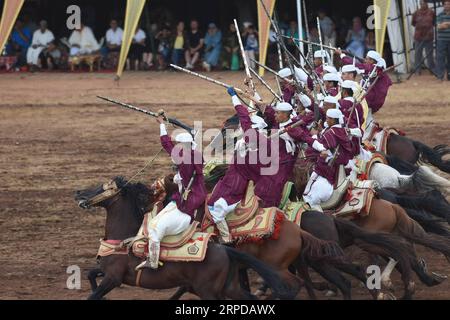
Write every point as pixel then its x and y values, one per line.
pixel 340 188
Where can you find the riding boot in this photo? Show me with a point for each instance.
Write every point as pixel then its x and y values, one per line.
pixel 224 231
pixel 152 260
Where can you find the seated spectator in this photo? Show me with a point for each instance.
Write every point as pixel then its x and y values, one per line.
pixel 164 46
pixel 20 42
pixel 114 37
pixel 195 45
pixel 82 41
pixel 250 41
pixel 356 38
pixel 231 52
pixel 39 50
pixel 179 44
pixel 137 48
pixel 213 47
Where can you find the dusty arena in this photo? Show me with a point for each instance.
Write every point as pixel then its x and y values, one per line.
pixel 57 137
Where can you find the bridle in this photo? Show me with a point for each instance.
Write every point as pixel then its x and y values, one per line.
pixel 110 190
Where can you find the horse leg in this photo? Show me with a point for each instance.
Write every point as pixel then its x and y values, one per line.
pixel 302 269
pixel 177 295
pixel 92 277
pixel 108 283
pixel 332 275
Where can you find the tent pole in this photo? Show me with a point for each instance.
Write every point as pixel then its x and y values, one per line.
pixel 300 29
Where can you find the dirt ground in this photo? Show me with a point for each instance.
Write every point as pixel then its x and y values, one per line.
pixel 57 137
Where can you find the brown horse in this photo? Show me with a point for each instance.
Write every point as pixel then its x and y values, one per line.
pixel 412 151
pixel 292 245
pixel 272 252
pixel 214 278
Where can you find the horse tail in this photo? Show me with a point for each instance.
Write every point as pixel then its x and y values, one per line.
pixel 432 156
pixel 379 243
pixel 400 165
pixel 425 178
pixel 413 232
pixel 315 249
pixel 442 149
pixel 428 222
pixel 269 275
pixel 433 202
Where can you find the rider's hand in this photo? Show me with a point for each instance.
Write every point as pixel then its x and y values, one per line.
pixel 231 91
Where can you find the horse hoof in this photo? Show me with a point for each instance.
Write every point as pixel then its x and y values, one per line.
pixel 439 278
pixel 386 296
pixel 330 294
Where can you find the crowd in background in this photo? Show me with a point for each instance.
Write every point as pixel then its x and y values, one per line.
pixel 34 47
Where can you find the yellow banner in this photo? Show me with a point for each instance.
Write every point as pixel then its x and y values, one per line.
pixel 381 12
pixel 133 14
pixel 264 28
pixel 11 9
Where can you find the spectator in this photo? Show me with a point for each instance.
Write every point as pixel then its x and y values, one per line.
pixel 370 41
pixel 20 42
pixel 164 44
pixel 231 52
pixel 423 20
pixel 82 41
pixel 113 37
pixel 292 32
pixel 38 51
pixel 251 46
pixel 314 37
pixel 331 39
pixel 213 47
pixel 179 44
pixel 29 23
pixel 327 27
pixel 195 45
pixel 443 42
pixel 137 49
pixel 356 38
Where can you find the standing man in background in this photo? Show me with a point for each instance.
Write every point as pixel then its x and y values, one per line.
pixel 443 42
pixel 423 21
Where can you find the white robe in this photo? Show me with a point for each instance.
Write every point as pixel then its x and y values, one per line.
pixel 41 40
pixel 86 41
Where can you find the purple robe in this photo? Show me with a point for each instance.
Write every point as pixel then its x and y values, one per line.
pixel 269 187
pixel 198 192
pixel 377 95
pixel 330 139
pixel 356 121
pixel 318 70
pixel 233 185
pixel 288 93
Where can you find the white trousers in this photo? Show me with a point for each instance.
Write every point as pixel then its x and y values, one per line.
pixel 33 55
pixel 170 221
pixel 220 209
pixel 317 190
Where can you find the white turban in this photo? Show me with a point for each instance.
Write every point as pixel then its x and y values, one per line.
pixel 283 106
pixel 322 53
pixel 332 77
pixel 348 84
pixel 284 73
pixel 186 138
pixel 350 68
pixel 305 100
pixel 330 99
pixel 258 122
pixel 336 114
pixel 374 55
pixel 301 75
pixel 330 69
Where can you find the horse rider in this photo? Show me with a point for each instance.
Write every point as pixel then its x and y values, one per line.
pixel 320 185
pixel 178 214
pixel 230 190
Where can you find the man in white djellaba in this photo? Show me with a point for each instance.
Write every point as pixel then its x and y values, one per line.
pixel 82 41
pixel 42 38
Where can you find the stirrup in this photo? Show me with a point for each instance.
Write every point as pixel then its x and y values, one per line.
pixel 145 264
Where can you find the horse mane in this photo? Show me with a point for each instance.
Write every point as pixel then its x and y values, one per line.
pixel 138 192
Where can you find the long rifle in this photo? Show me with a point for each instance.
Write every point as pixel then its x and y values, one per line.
pixel 265 84
pixel 244 58
pixel 173 121
pixel 310 50
pixel 220 83
pixel 319 29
